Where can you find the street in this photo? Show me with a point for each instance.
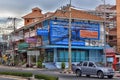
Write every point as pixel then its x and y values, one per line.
pixel 6 79
pixel 62 76
pixel 73 77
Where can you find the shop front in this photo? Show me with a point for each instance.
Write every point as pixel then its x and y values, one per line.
pixel 55 55
pixel 87 42
pixel 111 58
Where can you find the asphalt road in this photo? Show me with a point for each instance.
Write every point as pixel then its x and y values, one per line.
pixel 73 77
pixel 62 76
pixel 6 79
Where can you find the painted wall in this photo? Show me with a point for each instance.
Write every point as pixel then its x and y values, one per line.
pixel 81 31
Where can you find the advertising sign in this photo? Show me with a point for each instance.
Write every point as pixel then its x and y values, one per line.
pixel 80 31
pixel 88 34
pixel 109 50
pixel 31 40
pixel 42 32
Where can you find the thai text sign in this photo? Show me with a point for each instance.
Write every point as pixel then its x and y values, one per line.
pixel 88 34
pixel 31 40
pixel 80 31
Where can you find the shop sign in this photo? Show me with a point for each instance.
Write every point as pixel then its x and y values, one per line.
pixel 33 53
pixel 31 40
pixel 88 34
pixel 80 31
pixel 42 32
pixel 109 50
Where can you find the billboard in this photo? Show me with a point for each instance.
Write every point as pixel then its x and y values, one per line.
pixel 42 32
pixel 80 31
pixel 88 34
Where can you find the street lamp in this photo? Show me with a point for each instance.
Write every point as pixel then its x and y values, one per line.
pixel 69 50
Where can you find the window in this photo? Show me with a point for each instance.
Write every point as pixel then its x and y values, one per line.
pixel 62 55
pixel 27 20
pixel 91 64
pixel 85 64
pixel 111 37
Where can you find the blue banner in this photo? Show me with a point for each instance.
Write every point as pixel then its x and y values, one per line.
pixel 59 32
pixel 42 32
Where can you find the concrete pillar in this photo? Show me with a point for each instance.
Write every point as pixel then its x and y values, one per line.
pixel 55 55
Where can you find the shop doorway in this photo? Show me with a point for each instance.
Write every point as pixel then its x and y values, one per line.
pixel 49 56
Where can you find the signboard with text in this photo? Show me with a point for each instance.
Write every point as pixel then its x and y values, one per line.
pixel 80 31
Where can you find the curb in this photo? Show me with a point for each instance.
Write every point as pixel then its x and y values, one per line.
pixel 13 77
pixel 117 75
pixel 66 72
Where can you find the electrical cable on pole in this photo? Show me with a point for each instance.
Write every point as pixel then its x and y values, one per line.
pixel 14 19
pixel 69 50
pixel 105 31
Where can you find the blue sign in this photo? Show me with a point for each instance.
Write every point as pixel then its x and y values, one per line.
pixel 42 32
pixel 59 32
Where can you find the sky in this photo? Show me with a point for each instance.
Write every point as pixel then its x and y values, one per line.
pixel 19 8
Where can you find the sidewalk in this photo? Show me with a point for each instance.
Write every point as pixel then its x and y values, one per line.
pixel 117 74
pixel 14 67
pixel 28 68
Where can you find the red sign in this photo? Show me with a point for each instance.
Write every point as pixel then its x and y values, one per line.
pixel 88 34
pixel 109 50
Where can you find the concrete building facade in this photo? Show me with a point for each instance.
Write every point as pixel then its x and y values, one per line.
pixel 49 36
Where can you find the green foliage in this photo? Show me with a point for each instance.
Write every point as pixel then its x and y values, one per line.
pixel 62 65
pixel 22 74
pixel 39 64
pixel 45 77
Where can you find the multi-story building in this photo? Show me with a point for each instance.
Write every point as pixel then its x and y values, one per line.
pixel 118 24
pixel 108 12
pixel 109 15
pixel 49 35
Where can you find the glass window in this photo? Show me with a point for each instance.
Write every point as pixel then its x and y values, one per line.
pixel 49 56
pixel 85 64
pixel 91 64
pixel 78 56
pixel 73 56
pixel 62 55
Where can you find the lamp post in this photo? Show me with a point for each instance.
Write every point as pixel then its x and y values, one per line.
pixel 69 50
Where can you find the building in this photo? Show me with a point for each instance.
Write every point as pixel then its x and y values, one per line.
pixel 108 12
pixel 49 36
pixel 118 24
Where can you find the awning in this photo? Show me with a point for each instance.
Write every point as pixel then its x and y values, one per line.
pixel 22 47
pixel 73 47
pixel 22 51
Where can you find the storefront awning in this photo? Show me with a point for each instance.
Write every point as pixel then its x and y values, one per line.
pixel 23 46
pixel 22 51
pixel 73 47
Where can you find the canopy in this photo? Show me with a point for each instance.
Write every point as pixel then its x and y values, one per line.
pixel 23 46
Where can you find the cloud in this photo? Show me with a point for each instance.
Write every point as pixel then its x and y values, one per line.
pixel 13 8
pixel 19 8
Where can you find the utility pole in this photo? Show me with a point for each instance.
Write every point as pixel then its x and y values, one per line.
pixel 105 31
pixel 69 51
pixel 14 19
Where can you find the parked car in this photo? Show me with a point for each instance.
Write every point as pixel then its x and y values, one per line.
pixel 91 68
